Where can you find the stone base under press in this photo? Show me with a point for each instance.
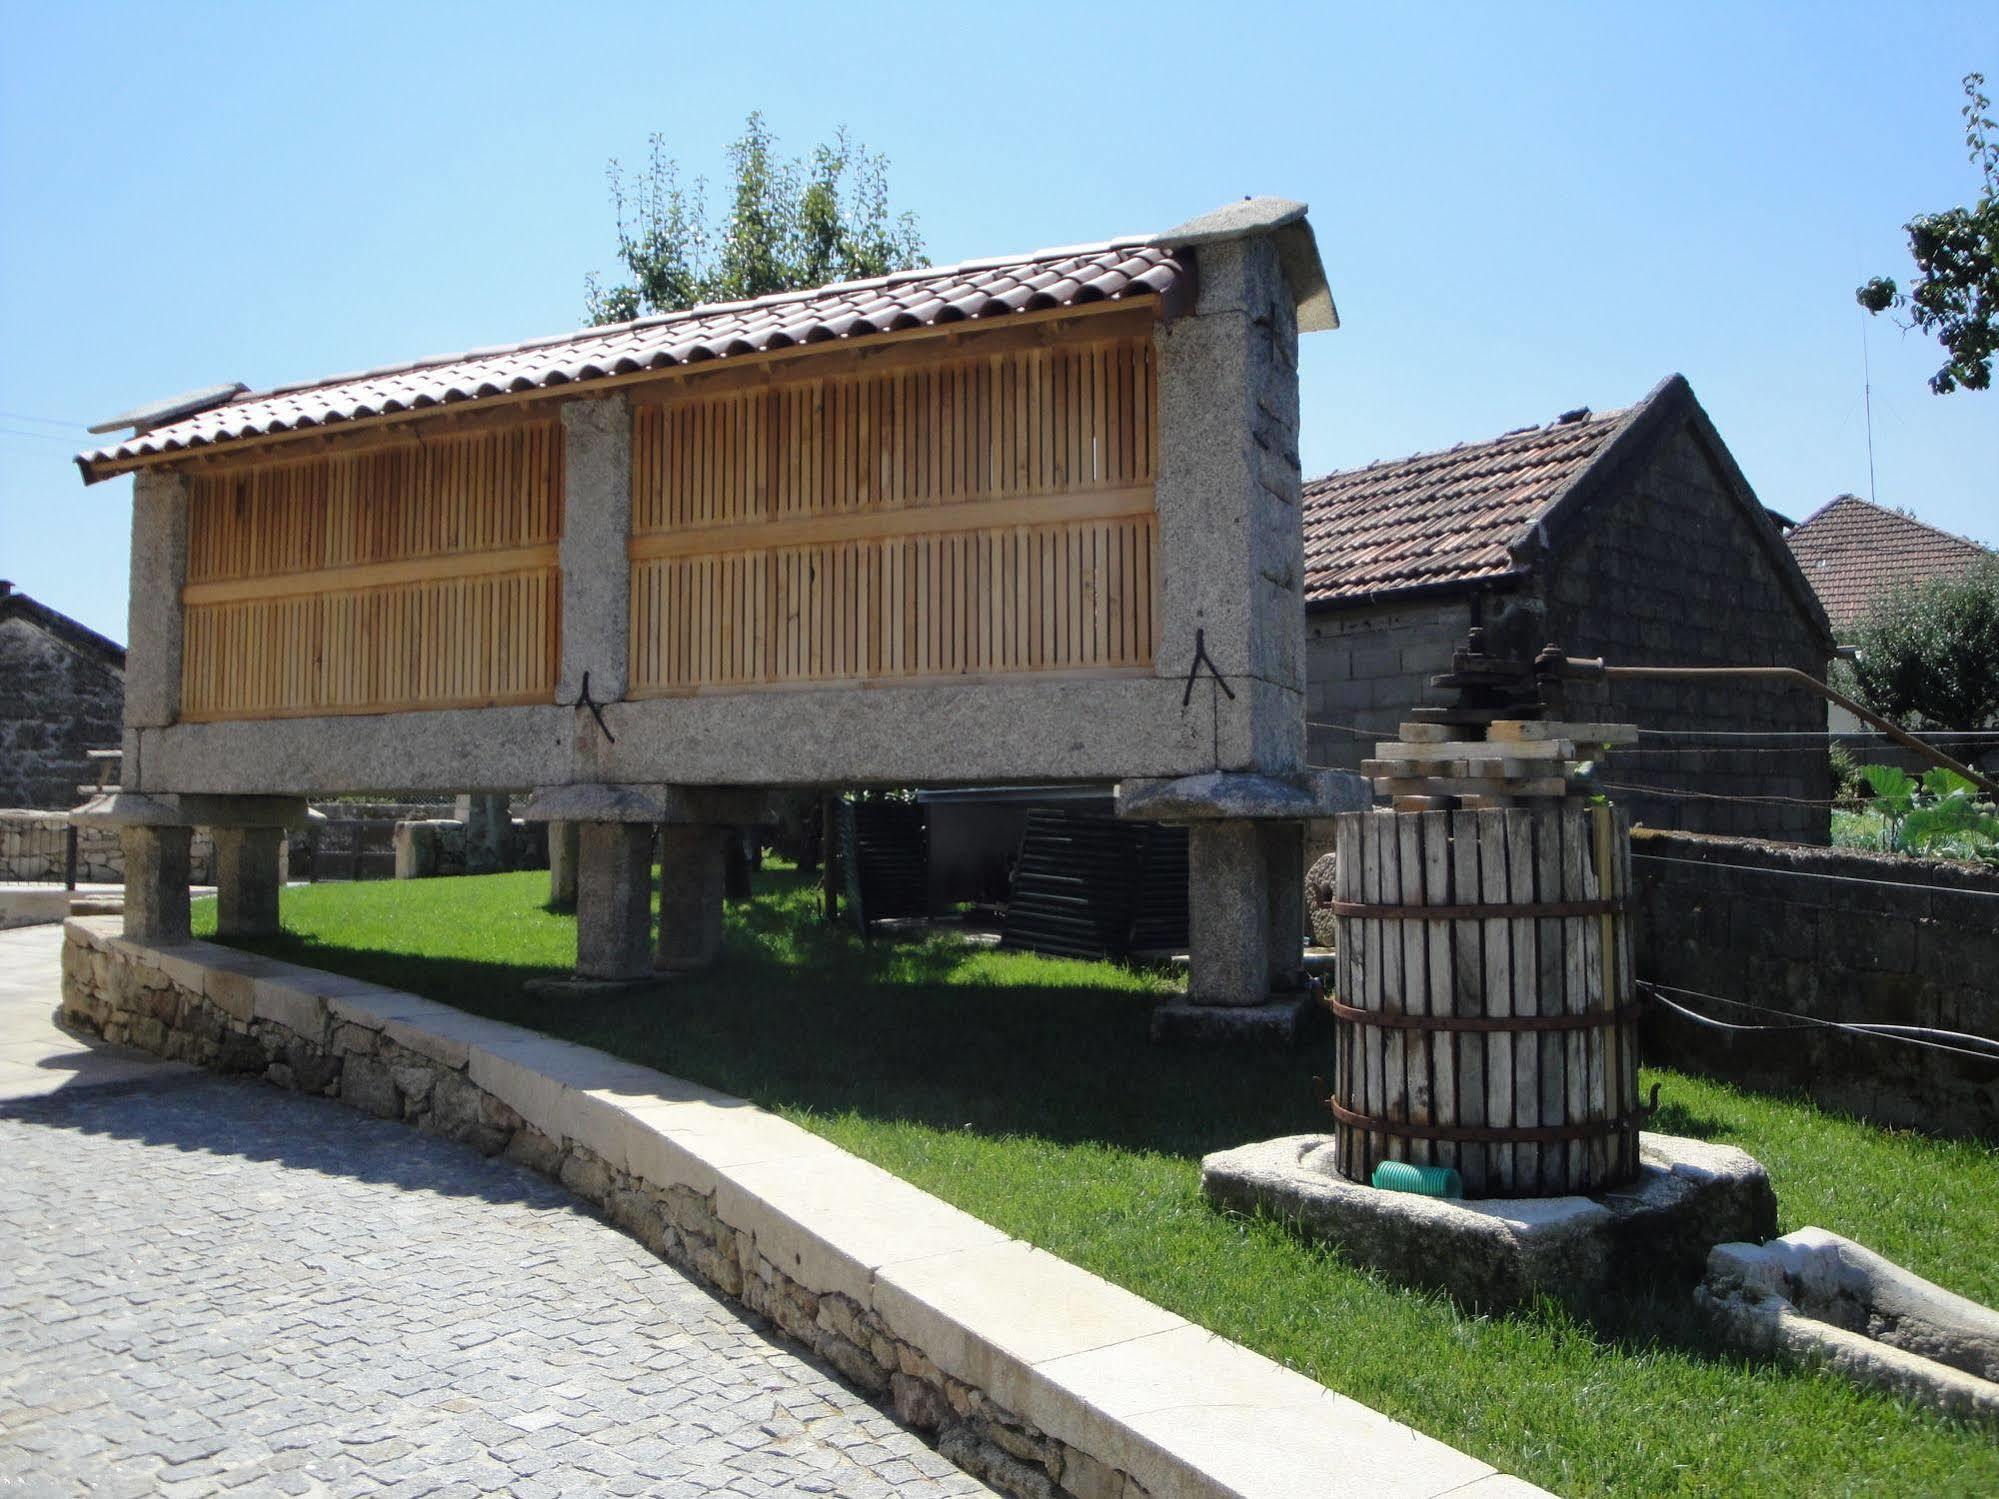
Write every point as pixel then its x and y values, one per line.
pixel 1282 1022
pixel 1499 1252
pixel 577 987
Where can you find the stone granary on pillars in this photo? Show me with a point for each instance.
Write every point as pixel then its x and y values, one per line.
pixel 1630 535
pixel 1027 519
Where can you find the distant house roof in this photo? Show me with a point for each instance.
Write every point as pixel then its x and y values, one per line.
pixel 977 289
pixel 1852 552
pixel 1480 514
pixel 80 637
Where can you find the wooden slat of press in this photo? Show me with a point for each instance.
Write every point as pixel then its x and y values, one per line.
pixel 1370 1040
pixel 1602 1042
pixel 1470 997
pixel 1411 869
pixel 1577 981
pixel 1348 959
pixel 1494 878
pixel 1440 961
pixel 1550 996
pixel 1524 957
pixel 1624 994
pixel 1394 1048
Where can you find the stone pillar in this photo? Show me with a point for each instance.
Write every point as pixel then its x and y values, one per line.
pixel 596 524
pixel 692 871
pixel 613 900
pixel 1228 914
pixel 489 832
pixel 1284 858
pixel 562 866
pixel 153 620
pixel 247 880
pixel 416 850
pixel 156 860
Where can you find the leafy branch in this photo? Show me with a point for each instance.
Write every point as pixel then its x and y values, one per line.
pixel 1955 296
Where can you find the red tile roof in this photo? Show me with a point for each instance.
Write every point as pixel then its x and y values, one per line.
pixel 1852 552
pixel 1447 518
pixel 977 289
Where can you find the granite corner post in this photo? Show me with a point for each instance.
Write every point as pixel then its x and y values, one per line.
pixel 610 874
pixel 154 622
pixel 595 558
pixel 1231 536
pixel 1232 562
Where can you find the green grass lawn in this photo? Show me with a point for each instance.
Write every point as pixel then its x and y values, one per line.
pixel 1024 1090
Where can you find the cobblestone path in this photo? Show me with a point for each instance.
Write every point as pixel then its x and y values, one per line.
pixel 210 1286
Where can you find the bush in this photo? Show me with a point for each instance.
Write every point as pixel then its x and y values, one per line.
pixel 1929 654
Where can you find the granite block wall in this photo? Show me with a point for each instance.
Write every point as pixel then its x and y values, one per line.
pixel 1832 934
pixel 56 702
pixel 1668 571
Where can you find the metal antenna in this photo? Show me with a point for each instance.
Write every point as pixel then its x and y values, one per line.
pixel 1867 399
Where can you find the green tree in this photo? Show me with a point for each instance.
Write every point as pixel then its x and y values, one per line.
pixel 1929 654
pixel 789 223
pixel 1955 296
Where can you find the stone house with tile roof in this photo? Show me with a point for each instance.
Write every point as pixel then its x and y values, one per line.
pixel 62 694
pixel 1854 552
pixel 1630 535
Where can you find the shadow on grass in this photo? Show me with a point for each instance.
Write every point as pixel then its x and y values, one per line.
pixel 1677 1119
pixel 805 1016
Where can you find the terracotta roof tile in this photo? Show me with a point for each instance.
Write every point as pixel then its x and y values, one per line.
pixel 856 309
pixel 1436 519
pixel 1852 552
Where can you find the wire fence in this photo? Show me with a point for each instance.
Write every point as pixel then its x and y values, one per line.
pixel 1929 1038
pixel 38 851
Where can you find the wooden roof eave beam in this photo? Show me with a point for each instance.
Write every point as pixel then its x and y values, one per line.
pixel 400 428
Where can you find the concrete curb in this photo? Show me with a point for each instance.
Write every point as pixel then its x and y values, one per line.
pixel 1038 1376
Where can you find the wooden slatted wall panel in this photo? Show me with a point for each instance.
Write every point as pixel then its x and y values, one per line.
pixel 974 516
pixel 392 580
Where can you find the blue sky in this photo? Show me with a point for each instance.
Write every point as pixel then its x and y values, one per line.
pixel 1523 208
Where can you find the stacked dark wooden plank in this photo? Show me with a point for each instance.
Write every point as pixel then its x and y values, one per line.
pixel 1091 886
pixel 884 860
pixel 1159 914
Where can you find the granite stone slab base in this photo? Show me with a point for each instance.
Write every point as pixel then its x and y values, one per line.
pixel 1494 1253
pixel 1279 1023
pixel 1814 1299
pixel 575 986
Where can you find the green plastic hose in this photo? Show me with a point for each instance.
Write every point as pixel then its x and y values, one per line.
pixel 1425 1181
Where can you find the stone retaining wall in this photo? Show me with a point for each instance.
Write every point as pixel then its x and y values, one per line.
pixel 229 1021
pixel 1832 934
